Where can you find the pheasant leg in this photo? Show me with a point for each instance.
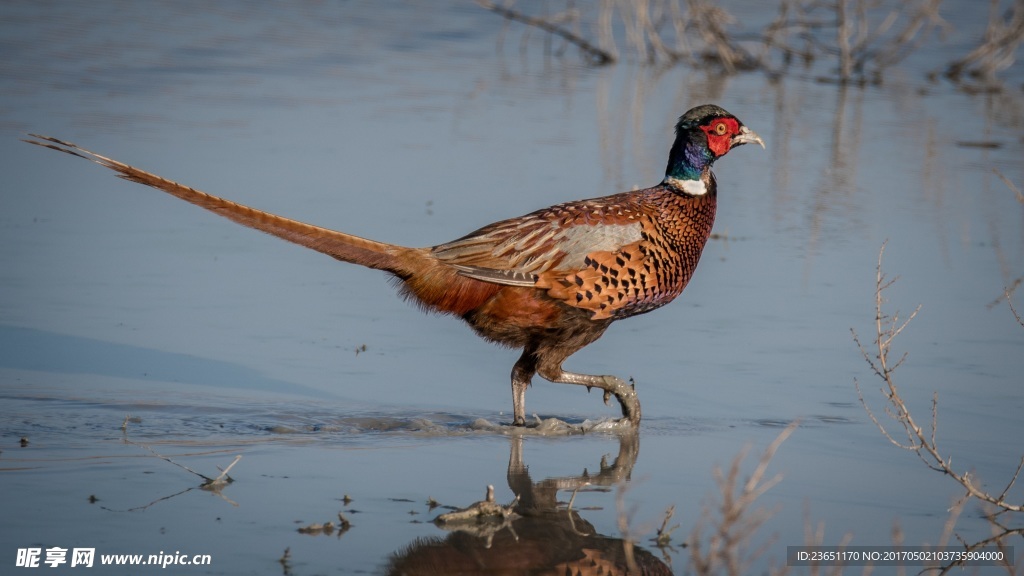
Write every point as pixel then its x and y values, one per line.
pixel 624 393
pixel 522 373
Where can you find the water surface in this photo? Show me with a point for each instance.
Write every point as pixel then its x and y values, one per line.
pixel 412 124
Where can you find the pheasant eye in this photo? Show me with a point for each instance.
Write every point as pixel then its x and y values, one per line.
pixel 721 128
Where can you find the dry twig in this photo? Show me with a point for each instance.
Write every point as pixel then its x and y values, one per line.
pixel 917 440
pixel 724 551
pixel 864 45
pixel 865 37
pixel 1009 184
pixel 484 509
pixel 1005 33
pixel 628 539
pixel 596 54
pixel 664 535
pixel 208 483
pixel 1016 314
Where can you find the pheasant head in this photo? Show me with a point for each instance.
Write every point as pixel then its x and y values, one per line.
pixel 703 135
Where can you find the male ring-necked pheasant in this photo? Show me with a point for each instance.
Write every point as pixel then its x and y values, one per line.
pixel 549 282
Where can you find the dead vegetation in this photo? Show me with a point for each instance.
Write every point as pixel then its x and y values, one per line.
pixel 212 484
pixel 863 37
pixel 657 32
pixel 915 437
pixel 979 69
pixel 485 509
pixel 721 540
pixel 857 41
pixel 327 528
pixel 209 483
pixel 921 439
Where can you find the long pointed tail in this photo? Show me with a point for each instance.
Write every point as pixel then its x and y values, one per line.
pixel 345 247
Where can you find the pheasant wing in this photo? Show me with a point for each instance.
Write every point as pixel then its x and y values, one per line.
pixel 591 254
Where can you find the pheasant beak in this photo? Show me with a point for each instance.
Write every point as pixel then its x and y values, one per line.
pixel 745 136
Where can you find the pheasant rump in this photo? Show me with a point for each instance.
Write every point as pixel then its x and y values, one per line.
pixel 549 282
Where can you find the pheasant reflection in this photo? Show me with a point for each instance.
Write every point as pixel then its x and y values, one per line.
pixel 537 537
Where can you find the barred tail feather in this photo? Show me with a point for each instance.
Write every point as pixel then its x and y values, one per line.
pixel 345 247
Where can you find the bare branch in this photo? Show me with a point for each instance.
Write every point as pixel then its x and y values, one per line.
pixel 1010 185
pixel 1002 495
pixel 664 535
pixel 921 443
pixel 598 55
pixel 208 483
pixel 864 40
pixel 735 519
pixel 1012 309
pixel 224 478
pixel 1004 34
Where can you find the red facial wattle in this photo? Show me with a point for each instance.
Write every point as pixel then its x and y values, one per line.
pixel 720 132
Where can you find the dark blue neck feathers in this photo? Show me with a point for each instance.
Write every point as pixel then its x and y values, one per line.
pixel 689 157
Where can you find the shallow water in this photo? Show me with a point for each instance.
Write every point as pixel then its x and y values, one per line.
pixel 413 124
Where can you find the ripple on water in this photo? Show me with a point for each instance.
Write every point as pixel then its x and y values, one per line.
pixel 213 420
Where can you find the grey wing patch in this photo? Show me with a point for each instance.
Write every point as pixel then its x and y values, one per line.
pixel 506 277
pixel 577 242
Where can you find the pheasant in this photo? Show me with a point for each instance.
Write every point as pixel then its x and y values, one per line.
pixel 549 282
